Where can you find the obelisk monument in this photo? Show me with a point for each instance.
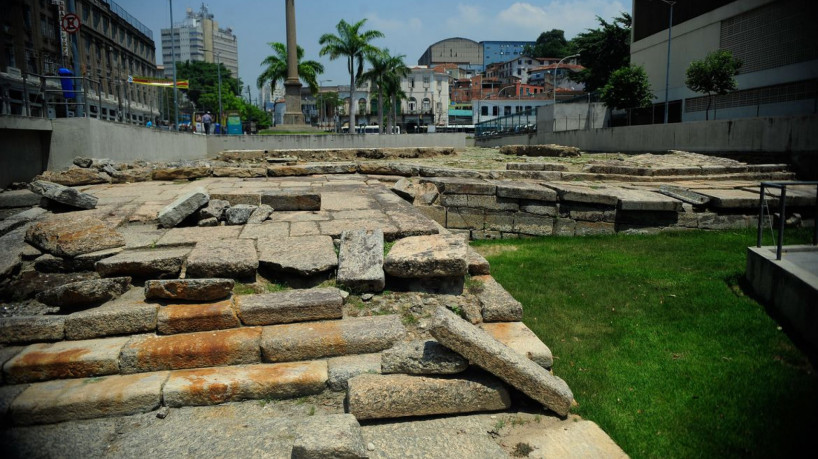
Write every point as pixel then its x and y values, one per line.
pixel 292 93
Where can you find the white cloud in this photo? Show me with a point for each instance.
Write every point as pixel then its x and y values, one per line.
pixel 523 20
pixel 388 26
pixel 466 20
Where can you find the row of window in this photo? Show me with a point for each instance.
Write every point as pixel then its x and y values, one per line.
pixel 495 110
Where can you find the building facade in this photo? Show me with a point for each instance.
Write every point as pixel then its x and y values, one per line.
pixel 775 40
pixel 199 38
pixel 495 52
pixel 461 51
pixel 112 45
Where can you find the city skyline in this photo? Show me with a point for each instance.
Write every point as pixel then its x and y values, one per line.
pixel 256 23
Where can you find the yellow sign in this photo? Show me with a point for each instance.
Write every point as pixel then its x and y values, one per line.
pixel 181 84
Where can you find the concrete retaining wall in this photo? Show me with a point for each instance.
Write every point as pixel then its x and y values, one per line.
pixel 295 142
pixel 119 142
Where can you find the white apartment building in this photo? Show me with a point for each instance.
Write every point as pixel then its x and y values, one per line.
pixel 199 38
pixel 427 97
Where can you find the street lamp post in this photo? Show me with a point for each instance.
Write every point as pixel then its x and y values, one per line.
pixel 667 70
pixel 219 73
pixel 172 58
pixel 555 78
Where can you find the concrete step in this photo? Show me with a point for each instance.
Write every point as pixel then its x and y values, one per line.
pixel 314 340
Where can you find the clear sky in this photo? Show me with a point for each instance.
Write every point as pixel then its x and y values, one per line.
pixel 410 26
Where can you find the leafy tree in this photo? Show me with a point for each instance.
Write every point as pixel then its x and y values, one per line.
pixel 204 79
pixel 603 50
pixel 277 68
pixel 353 44
pixel 713 75
pixel 384 67
pixel 627 88
pixel 549 44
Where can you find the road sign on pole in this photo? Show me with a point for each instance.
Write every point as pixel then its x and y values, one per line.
pixel 71 23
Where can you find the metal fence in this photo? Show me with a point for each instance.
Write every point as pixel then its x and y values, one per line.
pixel 517 123
pixel 782 216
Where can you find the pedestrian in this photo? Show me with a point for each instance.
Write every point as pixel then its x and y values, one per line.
pixel 207 119
pixel 149 124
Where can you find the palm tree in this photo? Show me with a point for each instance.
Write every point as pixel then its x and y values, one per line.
pixel 354 45
pixel 277 68
pixel 397 70
pixel 385 73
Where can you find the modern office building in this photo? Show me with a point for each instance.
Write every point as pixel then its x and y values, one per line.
pixel 199 38
pixel 112 45
pixel 775 40
pixel 502 51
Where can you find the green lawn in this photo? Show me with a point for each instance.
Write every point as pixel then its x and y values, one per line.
pixel 661 345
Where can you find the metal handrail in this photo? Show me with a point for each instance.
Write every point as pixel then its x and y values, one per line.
pixel 781 212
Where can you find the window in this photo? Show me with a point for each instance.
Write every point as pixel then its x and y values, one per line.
pixel 362 105
pixel 484 110
pixel 425 81
pixel 27 17
pixel 528 108
pixel 411 82
pixel 427 104
pixel 518 109
pixel 413 105
pixel 507 110
pixel 495 110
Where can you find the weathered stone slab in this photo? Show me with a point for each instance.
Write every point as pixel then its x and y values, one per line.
pixel 540 150
pixel 312 340
pixel 422 358
pixel 684 195
pixel 481 349
pixel 191 350
pixel 525 190
pixel 212 386
pixel 535 167
pixel 271 230
pixel 65 359
pixel 334 435
pixel 187 318
pixel 439 255
pixel 521 339
pixel 20 219
pixel 534 225
pixel 189 289
pixel 193 235
pixel 68 400
pixel 74 176
pixel 395 396
pixel 238 214
pixel 157 263
pixel 594 228
pixel 85 293
pixel 18 198
pixel 236 259
pixel 183 207
pixel 63 194
pixel 291 200
pixel 301 256
pixel 67 235
pixel 240 172
pixel 259 215
pixel 645 200
pixel 579 193
pixel 6 353
pixel 182 173
pixel 27 329
pixel 7 396
pixel 360 261
pixel 290 306
pixel 235 199
pixel 405 188
pixel 126 315
pixel 12 246
pixel 731 199
pixel 461 186
pixel 341 369
pixel 477 263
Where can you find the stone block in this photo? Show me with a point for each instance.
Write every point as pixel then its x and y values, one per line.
pixel 290 306
pixel 212 386
pixel 124 316
pixel 73 399
pixel 396 396
pixel 63 194
pixel 12 246
pixel 360 261
pixel 535 225
pixel 183 207
pixel 191 350
pixel 332 436
pixel 497 305
pixel 291 200
pixel 228 258
pixel 238 214
pixel 464 218
pixel 28 329
pixel 580 193
pixel 440 255
pixel 499 221
pixel 525 190
pixel 564 227
pixel 261 214
pixel 66 235
pixel 188 318
pixel 477 263
pixel 189 289
pixel 313 340
pixel 341 369
pixel 594 228
pixel 182 173
pixel 301 256
pixel 234 199
pixel 461 186
pixel 422 358
pixel 436 213
pixel 65 359
pixel 18 198
pixel 522 340
pixel 160 263
pixel 491 355
pixel 85 293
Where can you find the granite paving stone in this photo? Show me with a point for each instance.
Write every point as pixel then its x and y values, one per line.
pixel 63 194
pixel 342 368
pixel 440 255
pixel 520 338
pixel 290 306
pixel 183 207
pixel 236 259
pixel 159 263
pixel 360 261
pixel 65 359
pixel 189 289
pixel 422 357
pixel 301 256
pixel 69 235
pixel 27 329
pixel 187 318
pixel 331 436
pixel 125 315
pixel 192 235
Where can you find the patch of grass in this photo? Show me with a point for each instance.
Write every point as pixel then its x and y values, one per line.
pixel 311 411
pixel 327 283
pixel 408 318
pixel 522 450
pixel 387 246
pixel 356 301
pixel 243 289
pixel 499 425
pixel 275 287
pixel 474 286
pixel 455 309
pixel 660 344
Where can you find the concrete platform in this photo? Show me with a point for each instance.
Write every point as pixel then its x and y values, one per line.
pixel 789 286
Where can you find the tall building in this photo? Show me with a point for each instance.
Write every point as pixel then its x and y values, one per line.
pixel 199 38
pixel 470 54
pixel 775 40
pixel 501 51
pixel 111 44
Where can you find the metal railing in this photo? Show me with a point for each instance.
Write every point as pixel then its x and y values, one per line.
pixel 782 216
pixel 517 123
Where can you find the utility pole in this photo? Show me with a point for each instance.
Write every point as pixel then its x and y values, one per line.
pixel 75 52
pixel 667 70
pixel 173 58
